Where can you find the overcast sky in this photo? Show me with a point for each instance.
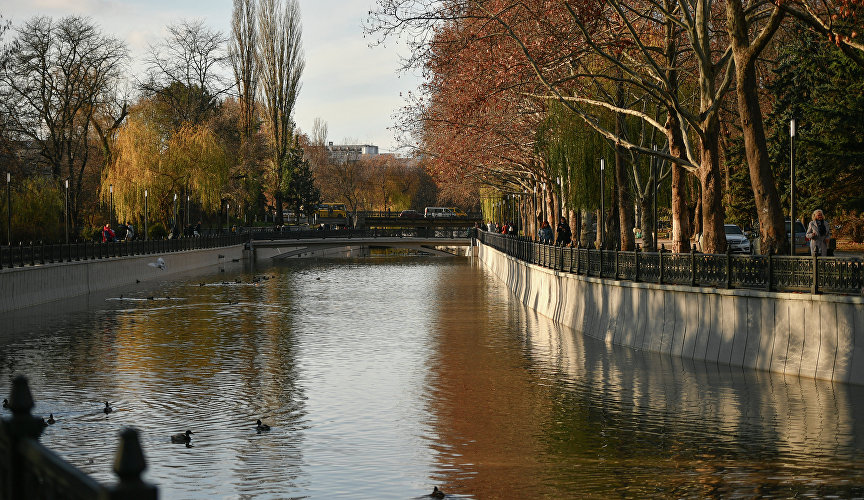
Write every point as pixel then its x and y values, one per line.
pixel 352 87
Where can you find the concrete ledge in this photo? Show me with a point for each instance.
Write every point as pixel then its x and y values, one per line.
pixel 28 286
pixel 815 336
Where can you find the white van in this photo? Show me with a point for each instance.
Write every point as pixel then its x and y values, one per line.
pixel 442 213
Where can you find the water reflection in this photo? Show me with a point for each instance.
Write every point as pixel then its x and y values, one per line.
pixel 384 377
pixel 528 408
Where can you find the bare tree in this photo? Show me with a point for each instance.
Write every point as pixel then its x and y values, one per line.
pixel 280 61
pixel 182 71
pixel 56 77
pixel 241 52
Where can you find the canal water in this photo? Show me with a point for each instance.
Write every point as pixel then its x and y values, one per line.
pixel 386 377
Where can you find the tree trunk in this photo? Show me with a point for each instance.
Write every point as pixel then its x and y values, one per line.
pixel 680 220
pixel 713 214
pixel 772 228
pixel 625 205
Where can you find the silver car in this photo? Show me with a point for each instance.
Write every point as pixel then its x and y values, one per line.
pixel 736 240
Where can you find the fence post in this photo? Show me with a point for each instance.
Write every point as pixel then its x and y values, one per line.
pixel 616 263
pixel 728 267
pixel 636 253
pixel 815 286
pixel 660 263
pixel 770 278
pixel 693 265
pixel 129 463
pixel 22 425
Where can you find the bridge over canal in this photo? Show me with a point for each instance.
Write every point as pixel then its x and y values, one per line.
pixel 347 243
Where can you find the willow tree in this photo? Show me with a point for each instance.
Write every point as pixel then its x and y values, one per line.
pixel 280 61
pixel 190 160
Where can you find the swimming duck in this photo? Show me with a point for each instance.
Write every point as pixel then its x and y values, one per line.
pixel 107 408
pixel 5 403
pixel 183 437
pixel 260 427
pixel 42 422
pixel 436 493
pixel 51 419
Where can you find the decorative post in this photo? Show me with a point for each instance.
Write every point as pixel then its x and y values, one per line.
pixel 129 463
pixel 660 263
pixel 728 267
pixel 693 265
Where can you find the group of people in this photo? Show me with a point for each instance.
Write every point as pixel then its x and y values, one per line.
pixel 562 237
pixel 126 232
pixel 505 228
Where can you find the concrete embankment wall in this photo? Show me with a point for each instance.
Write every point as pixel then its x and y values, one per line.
pixel 816 336
pixel 28 286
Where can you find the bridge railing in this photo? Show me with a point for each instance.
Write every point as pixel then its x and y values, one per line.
pixel 30 470
pixel 33 254
pixel 836 275
pixel 423 232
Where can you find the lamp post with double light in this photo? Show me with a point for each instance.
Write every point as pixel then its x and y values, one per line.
pixel 9 208
pixel 111 205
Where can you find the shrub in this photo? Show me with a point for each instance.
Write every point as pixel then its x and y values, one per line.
pixel 848 225
pixel 157 231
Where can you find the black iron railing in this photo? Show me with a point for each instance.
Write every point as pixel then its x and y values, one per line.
pixel 33 254
pixel 757 272
pixel 30 470
pixel 423 232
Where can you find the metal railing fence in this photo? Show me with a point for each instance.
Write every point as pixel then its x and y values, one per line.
pixel 33 254
pixel 432 232
pixel 30 470
pixel 835 275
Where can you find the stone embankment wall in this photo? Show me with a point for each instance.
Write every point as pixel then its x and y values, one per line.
pixel 816 336
pixel 28 286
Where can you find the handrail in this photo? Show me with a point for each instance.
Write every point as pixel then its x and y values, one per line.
pixel 432 232
pixel 30 470
pixel 40 254
pixel 835 275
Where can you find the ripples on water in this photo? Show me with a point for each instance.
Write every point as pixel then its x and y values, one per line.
pixel 384 377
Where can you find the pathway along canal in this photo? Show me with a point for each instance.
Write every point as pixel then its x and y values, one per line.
pixel 382 378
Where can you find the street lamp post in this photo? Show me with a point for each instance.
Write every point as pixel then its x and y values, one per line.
pixel 111 205
pixel 174 229
pixel 145 214
pixel 9 207
pixel 655 181
pixel 188 220
pixel 792 187
pixel 66 211
pixel 600 223
pixel 228 217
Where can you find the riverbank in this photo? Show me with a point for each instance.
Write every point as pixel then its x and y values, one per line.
pixel 808 335
pixel 28 286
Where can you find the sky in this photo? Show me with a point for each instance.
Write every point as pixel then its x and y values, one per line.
pixel 354 88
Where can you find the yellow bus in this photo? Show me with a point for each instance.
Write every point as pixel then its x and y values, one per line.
pixel 331 211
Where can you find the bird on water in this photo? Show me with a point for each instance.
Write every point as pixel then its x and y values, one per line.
pixel 436 493
pixel 51 418
pixel 261 427
pixel 5 403
pixel 183 437
pixel 107 408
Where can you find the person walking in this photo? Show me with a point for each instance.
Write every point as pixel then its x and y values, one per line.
pixel 818 232
pixel 564 235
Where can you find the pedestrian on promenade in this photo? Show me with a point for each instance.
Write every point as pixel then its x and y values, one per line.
pixel 545 233
pixel 818 232
pixel 107 234
pixel 564 235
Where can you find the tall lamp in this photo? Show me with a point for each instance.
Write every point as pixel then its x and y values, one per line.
pixel 792 186
pixel 9 207
pixel 600 223
pixel 66 211
pixel 145 215
pixel 111 205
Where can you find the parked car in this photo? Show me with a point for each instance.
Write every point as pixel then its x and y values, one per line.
pixel 410 214
pixel 444 213
pixel 802 247
pixel 736 240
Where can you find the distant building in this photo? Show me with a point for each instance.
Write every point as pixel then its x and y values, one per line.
pixel 339 153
